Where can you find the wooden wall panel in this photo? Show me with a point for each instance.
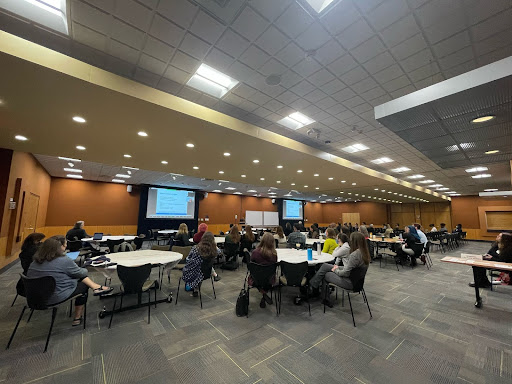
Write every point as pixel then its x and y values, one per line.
pixel 499 220
pixel 313 213
pixel 465 209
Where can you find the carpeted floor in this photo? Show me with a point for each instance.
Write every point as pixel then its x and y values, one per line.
pixel 425 329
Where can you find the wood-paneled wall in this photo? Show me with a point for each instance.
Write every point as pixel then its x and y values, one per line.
pixel 422 213
pixel 371 213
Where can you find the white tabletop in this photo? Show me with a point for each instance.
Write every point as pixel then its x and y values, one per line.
pixel 218 239
pixel 313 241
pixel 137 258
pixel 105 238
pixel 295 256
pixel 168 231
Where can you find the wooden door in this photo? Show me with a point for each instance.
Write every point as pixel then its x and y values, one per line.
pixel 351 218
pixel 28 215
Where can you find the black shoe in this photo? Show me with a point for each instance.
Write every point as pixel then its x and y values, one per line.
pixel 314 292
pixel 484 285
pixel 327 302
pixel 195 293
pixel 216 278
pixel 268 299
pixel 262 303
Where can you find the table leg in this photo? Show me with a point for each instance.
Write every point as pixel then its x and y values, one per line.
pixel 478 302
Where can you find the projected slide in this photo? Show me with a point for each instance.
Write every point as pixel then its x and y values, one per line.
pixel 292 210
pixel 166 203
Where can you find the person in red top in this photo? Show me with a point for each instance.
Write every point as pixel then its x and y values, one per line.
pixel 199 235
pixel 265 254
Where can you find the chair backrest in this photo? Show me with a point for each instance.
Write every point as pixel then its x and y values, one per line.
pixel 133 278
pixel 112 243
pixel 427 247
pixel 74 245
pixel 262 274
pixel 294 273
pixel 357 276
pixel 183 250
pixel 282 245
pixel 231 249
pixel 206 267
pixel 160 247
pixel 38 290
pixel 138 241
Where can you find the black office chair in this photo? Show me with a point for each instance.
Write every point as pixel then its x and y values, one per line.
pixel 262 278
pixel 357 276
pixel 426 254
pixel 231 251
pixel 112 243
pixel 38 291
pixel 206 270
pixel 138 241
pixel 294 275
pixel 134 280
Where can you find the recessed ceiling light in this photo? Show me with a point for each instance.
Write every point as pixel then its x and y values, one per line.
pixel 123 176
pixel 69 159
pixel 477 169
pixel 20 138
pixel 262 178
pixel 118 181
pixel 293 184
pixel 278 181
pixel 221 172
pixel 426 181
pixel 343 181
pixel 355 148
pixel 316 174
pixel 492 152
pixel 74 176
pixel 190 145
pixel 279 166
pixel 255 161
pixel 164 162
pixel 491 190
pixel 415 177
pixel 129 172
pixel 230 188
pixel 353 183
pixel 79 119
pixel 449 193
pixel 382 160
pixel 210 81
pixel 135 169
pixel 243 175
pixel 435 185
pixel 73 170
pixel 455 194
pixel 383 190
pixel 217 190
pixel 299 171
pixel 80 147
pixel 237 193
pixel 195 167
pixel 142 133
pixel 483 119
pixel 481 176
pixel 317 188
pixel 127 156
pixel 305 186
pixel 295 121
pixel 401 169
pixel 71 164
pixel 227 154
pixel 331 178
pixel 442 189
pixel 319 5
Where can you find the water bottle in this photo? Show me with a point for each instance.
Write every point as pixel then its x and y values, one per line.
pixel 319 248
pixel 310 254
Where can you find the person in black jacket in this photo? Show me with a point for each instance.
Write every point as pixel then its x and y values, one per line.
pixel 288 229
pixel 181 238
pixel 412 246
pixel 77 232
pixel 29 248
pixel 501 250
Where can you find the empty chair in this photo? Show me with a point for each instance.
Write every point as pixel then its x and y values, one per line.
pixel 112 243
pixel 426 255
pixel 294 275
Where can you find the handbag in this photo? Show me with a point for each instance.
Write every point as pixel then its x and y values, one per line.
pixel 242 302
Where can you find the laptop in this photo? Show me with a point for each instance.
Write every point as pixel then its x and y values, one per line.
pixel 98 236
pixel 73 255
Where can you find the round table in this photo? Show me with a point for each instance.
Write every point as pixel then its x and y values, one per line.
pixel 167 231
pixel 295 256
pixel 105 238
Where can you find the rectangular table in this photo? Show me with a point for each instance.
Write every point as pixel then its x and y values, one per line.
pixel 487 264
pixel 105 238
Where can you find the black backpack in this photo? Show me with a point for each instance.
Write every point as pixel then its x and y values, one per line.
pixel 242 303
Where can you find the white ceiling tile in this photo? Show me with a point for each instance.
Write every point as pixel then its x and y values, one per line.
pixel 306 67
pixel 331 51
pixel 294 20
pixel 321 77
pixel 353 102
pixel 207 28
pixel 361 108
pixel 166 31
pixel 367 5
pixel 368 50
pixel 287 97
pixel 254 57
pixel 232 43
pixel 151 64
pixel 249 24
pixel 409 47
pixel 340 17
pixel 274 105
pixel 270 9
pixel 243 90
pixel 303 88
pixel 344 94
pixel 233 99
pixel 403 91
pixel 273 67
pixel 395 84
pixel 428 14
pixel 315 96
pixel 342 65
pixel 459 57
pixel 207 100
pixel 218 60
pixel 326 102
pixel 168 86
pixel 452 44
pixel 428 81
pixel 400 31
pixel 380 100
pixel 311 110
pixel 379 62
pixel 272 91
pixel 133 13
pixel 260 98
pixel 91 17
pixel 373 93
pixel 272 41
pixel 149 3
pixel 176 75
pixel 290 55
pixel 333 86
pixel 262 112
pixel 290 78
pixel 146 77
pixel 387 13
pixel 417 60
pixel 189 94
pixel 89 37
pixel 127 34
pixel 240 71
pixel 194 46
pixel 156 48
pixel 355 75
pixel 427 70
pixel 495 55
pixel 179 11
pixel 448 25
pixel 497 41
pixel 388 74
pixel 495 24
pixel 355 34
pixel 313 37
pixel 106 5
pixel 123 51
pixel 185 62
pixel 476 13
pixel 364 85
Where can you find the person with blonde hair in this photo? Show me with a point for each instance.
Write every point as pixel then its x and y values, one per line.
pixel 233 236
pixel 181 238
pixel 279 235
pixel 265 254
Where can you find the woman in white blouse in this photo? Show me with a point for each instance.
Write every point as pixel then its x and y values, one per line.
pixel 342 252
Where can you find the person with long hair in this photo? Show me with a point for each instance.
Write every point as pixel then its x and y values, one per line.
pixel 501 250
pixel 265 254
pixel 182 237
pixel 330 242
pixel 364 231
pixel 71 280
pixel 29 248
pixel 203 227
pixel 233 236
pixel 279 235
pixel 340 275
pixel 288 229
pixel 388 232
pixel 314 233
pixel 342 252
pixel 247 239
pixel 203 252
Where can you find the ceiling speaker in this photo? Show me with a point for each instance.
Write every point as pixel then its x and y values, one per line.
pixel 129 188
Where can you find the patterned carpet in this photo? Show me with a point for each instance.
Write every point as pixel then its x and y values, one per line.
pixel 425 329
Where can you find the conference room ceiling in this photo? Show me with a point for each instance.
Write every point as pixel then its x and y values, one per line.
pixel 334 67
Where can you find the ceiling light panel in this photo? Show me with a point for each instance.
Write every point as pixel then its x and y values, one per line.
pixel 416 177
pixel 210 81
pixel 401 169
pixel 295 121
pixel 319 5
pixel 481 176
pixel 477 169
pixel 382 160
pixel 355 148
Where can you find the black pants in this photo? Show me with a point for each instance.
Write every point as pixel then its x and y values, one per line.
pixel 481 277
pixel 81 289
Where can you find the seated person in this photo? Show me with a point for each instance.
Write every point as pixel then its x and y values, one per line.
pixel 181 239
pixel 77 232
pixel 501 250
pixel 423 237
pixel 342 252
pixel 29 248
pixel 443 228
pixel 296 237
pixel 247 239
pixel 458 228
pixel 264 254
pixel 205 252
pixel 328 273
pixel 412 246
pixel 71 280
pixel 389 231
pixel 371 230
pixel 233 237
pixel 330 242
pixel 288 229
pixel 313 232
pixel 433 228
pixel 279 236
pixel 364 231
pixel 203 227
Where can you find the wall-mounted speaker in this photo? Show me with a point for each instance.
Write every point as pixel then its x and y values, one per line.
pixel 273 201
pixel 205 195
pixel 129 188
